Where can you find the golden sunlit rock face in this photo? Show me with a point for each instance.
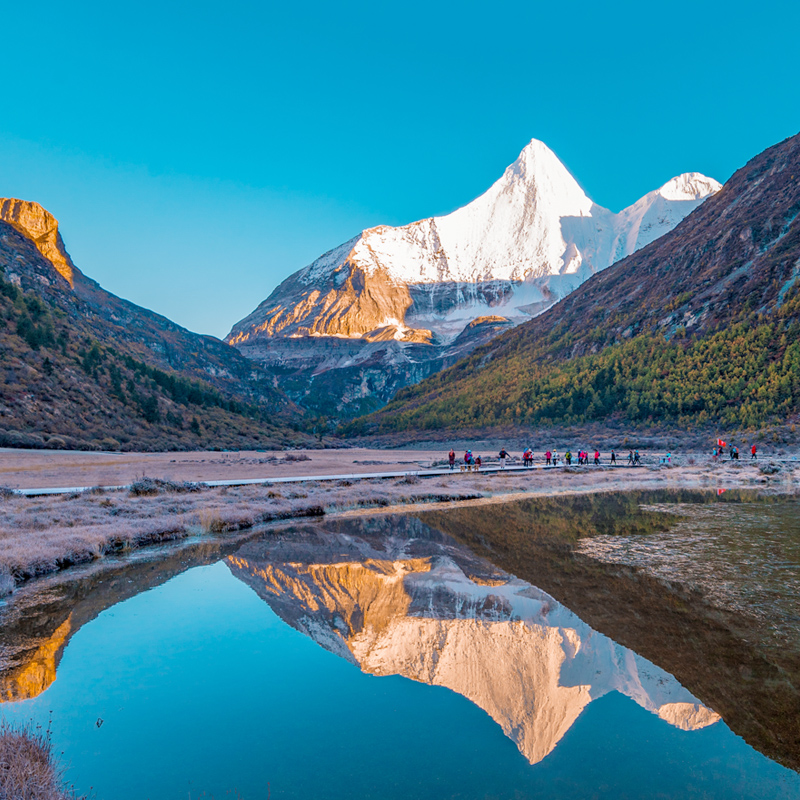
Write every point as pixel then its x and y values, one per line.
pixel 355 303
pixel 39 672
pixel 41 227
pixel 418 609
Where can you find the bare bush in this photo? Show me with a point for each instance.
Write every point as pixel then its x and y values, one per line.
pixel 28 768
pixel 145 486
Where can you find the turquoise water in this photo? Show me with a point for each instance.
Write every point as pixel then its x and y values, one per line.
pixel 204 691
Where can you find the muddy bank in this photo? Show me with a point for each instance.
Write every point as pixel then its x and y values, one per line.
pixel 717 654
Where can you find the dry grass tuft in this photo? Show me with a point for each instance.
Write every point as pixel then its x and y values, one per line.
pixel 28 768
pixel 144 487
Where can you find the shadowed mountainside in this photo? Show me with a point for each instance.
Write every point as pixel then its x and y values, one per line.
pixel 80 367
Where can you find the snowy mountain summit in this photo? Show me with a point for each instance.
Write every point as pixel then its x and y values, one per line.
pixel 528 241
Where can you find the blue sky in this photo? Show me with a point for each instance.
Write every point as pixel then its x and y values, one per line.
pixel 196 154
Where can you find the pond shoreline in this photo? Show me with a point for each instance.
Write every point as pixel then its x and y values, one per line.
pixel 708 649
pixel 43 535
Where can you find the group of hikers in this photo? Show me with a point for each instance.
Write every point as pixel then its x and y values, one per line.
pixel 551 459
pixel 719 451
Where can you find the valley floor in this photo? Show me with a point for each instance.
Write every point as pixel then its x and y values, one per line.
pixel 41 535
pixel 36 469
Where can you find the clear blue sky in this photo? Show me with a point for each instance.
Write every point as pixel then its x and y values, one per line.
pixel 197 153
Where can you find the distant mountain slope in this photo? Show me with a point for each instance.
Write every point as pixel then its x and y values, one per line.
pixel 81 367
pixel 701 325
pixel 532 238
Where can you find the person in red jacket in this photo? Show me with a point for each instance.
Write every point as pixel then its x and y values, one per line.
pixel 548 455
pixel 597 457
pixel 451 457
pixel 753 452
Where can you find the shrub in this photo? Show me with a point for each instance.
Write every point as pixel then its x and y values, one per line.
pixel 769 469
pixel 144 486
pixel 28 769
pixel 296 457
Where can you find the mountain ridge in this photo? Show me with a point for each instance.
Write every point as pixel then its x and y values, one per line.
pixel 531 238
pixel 699 327
pixel 80 367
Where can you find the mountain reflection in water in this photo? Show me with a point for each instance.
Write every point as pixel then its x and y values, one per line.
pixel 395 597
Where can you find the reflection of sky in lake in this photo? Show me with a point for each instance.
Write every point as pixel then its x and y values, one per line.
pixel 202 688
pixel 742 556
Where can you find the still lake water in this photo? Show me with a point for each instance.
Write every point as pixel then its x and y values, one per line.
pixel 374 659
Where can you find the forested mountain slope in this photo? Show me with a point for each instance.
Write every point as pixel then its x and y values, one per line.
pixel 80 367
pixel 700 326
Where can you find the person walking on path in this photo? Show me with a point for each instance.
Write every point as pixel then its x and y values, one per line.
pixel 452 458
pixel 630 457
pixel 527 457
pixel 568 457
pixel 637 459
pixel 478 463
pixel 597 458
pixel 753 451
pixel 548 455
pixel 614 457
pixel 503 456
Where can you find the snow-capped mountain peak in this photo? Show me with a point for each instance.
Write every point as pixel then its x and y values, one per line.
pixel 689 186
pixel 530 239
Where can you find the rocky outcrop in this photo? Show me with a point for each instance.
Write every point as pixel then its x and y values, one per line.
pixel 41 227
pixel 532 238
pixel 395 597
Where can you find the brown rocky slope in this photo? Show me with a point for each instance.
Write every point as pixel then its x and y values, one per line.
pixel 80 367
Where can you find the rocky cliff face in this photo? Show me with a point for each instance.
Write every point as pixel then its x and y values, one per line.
pixel 395 597
pixel 41 227
pixel 532 238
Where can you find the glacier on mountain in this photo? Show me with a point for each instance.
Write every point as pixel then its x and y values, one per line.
pixel 529 240
pixel 393 305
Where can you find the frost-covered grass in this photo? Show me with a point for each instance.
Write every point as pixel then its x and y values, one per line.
pixel 39 535
pixel 28 767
